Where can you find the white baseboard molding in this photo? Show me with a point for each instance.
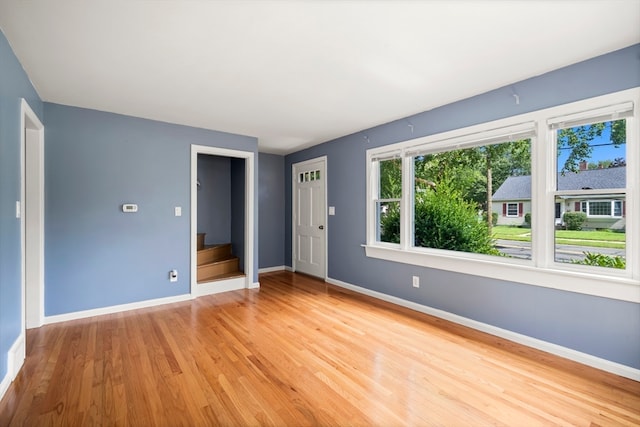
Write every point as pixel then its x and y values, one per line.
pixel 218 286
pixel 254 285
pixel 558 350
pixel 15 360
pixel 272 269
pixel 115 309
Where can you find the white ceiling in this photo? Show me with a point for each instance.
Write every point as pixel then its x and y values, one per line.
pixel 298 73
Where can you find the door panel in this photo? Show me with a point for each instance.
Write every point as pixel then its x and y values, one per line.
pixel 310 217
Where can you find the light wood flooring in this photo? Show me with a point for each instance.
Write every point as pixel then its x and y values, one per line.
pixel 299 352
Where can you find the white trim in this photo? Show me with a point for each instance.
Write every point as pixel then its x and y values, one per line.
pixel 294 180
pixel 558 350
pixel 15 360
pixel 219 286
pixel 249 205
pixel 115 309
pixel 271 269
pixel 32 242
pixel 542 269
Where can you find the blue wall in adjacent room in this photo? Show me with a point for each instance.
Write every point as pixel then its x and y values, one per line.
pixel 214 198
pixel 601 327
pixel 14 85
pixel 272 213
pixel 96 255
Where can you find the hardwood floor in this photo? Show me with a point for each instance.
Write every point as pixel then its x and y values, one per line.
pixel 299 352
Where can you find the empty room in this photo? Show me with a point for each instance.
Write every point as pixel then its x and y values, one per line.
pixel 291 213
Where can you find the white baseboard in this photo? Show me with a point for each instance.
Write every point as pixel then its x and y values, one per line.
pixel 558 350
pixel 220 286
pixel 271 269
pixel 15 360
pixel 115 309
pixel 254 285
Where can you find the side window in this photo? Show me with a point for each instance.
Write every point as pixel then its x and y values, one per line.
pixel 388 200
pixel 591 185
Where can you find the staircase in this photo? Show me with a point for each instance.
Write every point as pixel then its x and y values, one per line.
pixel 216 262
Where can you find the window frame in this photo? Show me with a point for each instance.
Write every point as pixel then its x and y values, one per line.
pixel 517 206
pixel 585 206
pixel 542 270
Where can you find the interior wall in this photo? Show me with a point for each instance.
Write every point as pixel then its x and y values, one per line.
pixel 272 214
pixel 601 327
pixel 14 85
pixel 96 255
pixel 214 198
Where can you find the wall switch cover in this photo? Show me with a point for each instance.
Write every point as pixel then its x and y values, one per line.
pixel 177 211
pixel 332 210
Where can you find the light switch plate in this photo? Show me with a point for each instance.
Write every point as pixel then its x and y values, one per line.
pixel 332 210
pixel 177 211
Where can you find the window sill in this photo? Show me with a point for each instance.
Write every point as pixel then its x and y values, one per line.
pixel 620 288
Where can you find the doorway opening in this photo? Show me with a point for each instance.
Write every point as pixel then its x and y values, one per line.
pixel 222 218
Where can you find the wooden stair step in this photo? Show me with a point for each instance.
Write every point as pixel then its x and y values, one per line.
pixel 214 253
pixel 226 265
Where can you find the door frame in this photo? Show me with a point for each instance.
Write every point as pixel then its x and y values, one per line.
pixel 32 211
pixel 249 203
pixel 294 200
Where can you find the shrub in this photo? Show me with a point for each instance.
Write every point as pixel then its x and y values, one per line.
pixel 494 217
pixel 574 220
pixel 527 218
pixel 445 220
pixel 390 225
pixel 601 260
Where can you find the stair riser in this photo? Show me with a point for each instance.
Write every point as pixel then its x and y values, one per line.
pixel 213 254
pixel 212 270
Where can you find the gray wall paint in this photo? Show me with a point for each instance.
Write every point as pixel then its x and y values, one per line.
pixel 214 198
pixel 272 214
pixel 601 327
pixel 14 85
pixel 97 256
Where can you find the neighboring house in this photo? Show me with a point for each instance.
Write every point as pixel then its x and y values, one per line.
pixel 512 200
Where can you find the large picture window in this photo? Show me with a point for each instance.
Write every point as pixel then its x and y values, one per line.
pixel 548 192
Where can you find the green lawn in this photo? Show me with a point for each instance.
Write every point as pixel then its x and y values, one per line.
pixel 597 239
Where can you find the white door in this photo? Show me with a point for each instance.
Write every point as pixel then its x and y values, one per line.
pixel 309 217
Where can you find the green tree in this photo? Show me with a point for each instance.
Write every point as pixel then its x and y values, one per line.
pixel 578 141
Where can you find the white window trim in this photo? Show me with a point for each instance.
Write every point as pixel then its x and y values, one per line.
pixel 542 270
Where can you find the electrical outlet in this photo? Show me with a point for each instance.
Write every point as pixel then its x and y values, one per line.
pixel 416 281
pixel 173 276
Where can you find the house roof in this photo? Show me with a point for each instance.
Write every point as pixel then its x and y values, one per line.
pixel 519 187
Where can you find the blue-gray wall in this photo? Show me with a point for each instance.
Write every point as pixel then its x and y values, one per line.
pixel 601 327
pixel 272 213
pixel 96 256
pixel 214 198
pixel 14 85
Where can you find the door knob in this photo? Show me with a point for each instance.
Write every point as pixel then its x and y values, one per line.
pixel 321 227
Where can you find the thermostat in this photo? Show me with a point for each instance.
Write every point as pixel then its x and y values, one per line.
pixel 129 208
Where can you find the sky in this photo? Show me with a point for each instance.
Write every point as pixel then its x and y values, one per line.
pixel 602 150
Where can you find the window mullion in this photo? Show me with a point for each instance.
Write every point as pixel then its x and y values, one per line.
pixel 406 205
